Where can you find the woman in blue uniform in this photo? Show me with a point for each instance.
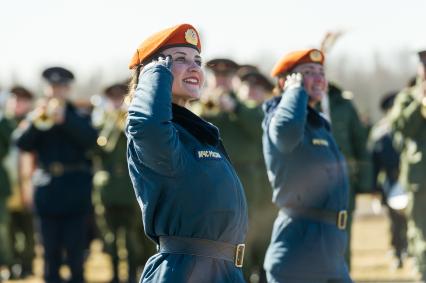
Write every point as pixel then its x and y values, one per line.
pixel 308 176
pixel 192 201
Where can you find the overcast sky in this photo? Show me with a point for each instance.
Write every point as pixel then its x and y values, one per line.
pixel 96 38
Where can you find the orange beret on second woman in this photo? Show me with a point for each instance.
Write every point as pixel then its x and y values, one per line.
pixel 180 35
pixel 291 60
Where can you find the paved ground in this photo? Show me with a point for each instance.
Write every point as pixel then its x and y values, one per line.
pixel 372 258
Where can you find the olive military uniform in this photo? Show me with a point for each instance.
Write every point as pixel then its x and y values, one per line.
pixel 19 167
pixel 21 224
pixel 242 137
pixel 118 199
pixel 385 157
pixel 351 137
pixel 409 119
pixel 5 136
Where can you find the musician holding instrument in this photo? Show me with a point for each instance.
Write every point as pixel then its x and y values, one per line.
pixel 239 116
pixel 114 192
pixel 385 151
pixel 20 167
pixel 60 137
pixel 408 118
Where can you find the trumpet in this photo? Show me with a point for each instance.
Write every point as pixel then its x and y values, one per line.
pixel 44 117
pixel 216 101
pixel 209 103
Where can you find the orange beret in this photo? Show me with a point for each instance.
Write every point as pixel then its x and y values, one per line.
pixel 180 35
pixel 291 60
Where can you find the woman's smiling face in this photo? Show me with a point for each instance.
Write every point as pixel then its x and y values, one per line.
pixel 188 77
pixel 314 80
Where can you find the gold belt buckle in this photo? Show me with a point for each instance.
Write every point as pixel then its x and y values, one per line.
pixel 342 219
pixel 56 169
pixel 239 255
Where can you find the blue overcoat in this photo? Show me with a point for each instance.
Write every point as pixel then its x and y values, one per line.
pixel 306 171
pixel 184 182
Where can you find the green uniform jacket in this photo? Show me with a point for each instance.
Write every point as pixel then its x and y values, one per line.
pixel 409 119
pixel 116 186
pixel 6 129
pixel 351 137
pixel 241 132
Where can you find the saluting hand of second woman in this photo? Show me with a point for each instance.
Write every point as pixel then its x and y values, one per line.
pixel 293 80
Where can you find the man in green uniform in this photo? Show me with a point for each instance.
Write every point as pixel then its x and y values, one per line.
pixel 5 136
pixel 19 165
pixel 253 90
pixel 238 115
pixel 409 119
pixel 351 136
pixel 113 183
pixel 385 160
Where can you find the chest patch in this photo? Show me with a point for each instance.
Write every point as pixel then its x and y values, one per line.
pixel 320 142
pixel 208 154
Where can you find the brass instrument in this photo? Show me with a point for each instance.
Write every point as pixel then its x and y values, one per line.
pixel 112 130
pixel 112 125
pixel 45 119
pixel 210 102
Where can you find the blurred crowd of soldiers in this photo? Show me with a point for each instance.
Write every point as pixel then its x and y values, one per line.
pixel 65 180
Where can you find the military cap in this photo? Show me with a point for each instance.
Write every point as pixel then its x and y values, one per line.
pixel 58 75
pixel 180 35
pixel 387 100
pixel 22 92
pixel 256 78
pixel 422 56
pixel 412 82
pixel 118 89
pixel 333 88
pixel 222 66
pixel 291 60
pixel 245 69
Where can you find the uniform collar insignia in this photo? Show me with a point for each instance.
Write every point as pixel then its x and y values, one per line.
pixel 321 142
pixel 208 154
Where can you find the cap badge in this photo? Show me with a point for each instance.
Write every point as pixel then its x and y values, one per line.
pixel 55 77
pixel 315 56
pixel 191 37
pixel 221 67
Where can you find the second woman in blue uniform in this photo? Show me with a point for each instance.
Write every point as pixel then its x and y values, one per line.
pixel 192 201
pixel 308 176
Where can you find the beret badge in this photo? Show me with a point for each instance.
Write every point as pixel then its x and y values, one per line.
pixel 315 56
pixel 191 36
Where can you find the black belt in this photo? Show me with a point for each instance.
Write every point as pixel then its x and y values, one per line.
pixel 58 169
pixel 339 218
pixel 202 247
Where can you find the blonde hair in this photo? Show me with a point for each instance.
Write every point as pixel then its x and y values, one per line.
pixel 133 83
pixel 134 79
